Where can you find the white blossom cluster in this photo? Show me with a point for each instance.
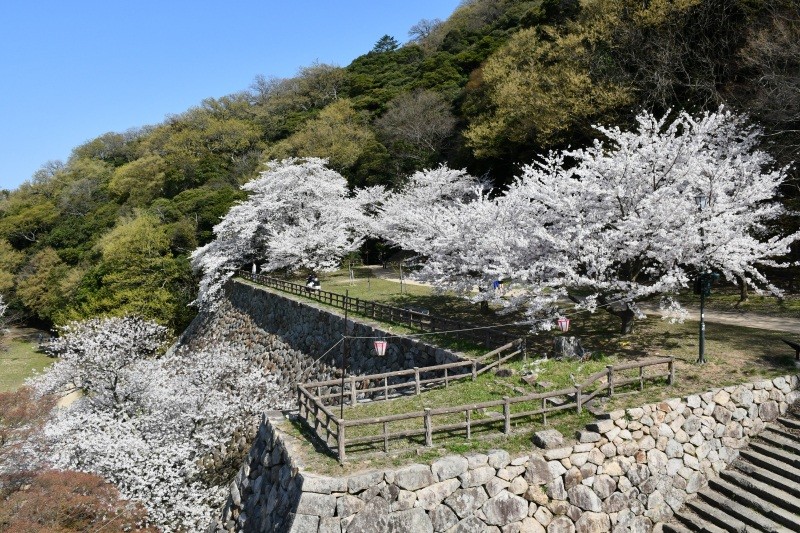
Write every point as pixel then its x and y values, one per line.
pixel 299 214
pixel 148 422
pixel 615 222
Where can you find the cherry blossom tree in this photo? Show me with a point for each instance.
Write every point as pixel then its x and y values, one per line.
pixel 149 422
pixel 617 222
pixel 300 214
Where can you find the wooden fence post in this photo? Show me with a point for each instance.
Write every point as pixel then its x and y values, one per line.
pixel 641 378
pixel 385 437
pixel 340 439
pixel 671 371
pixel 469 420
pixel 352 390
pixel 385 388
pixel 544 411
pixel 445 378
pixel 474 369
pixel 506 415
pixel 610 380
pixel 416 380
pixel 428 427
pixel 579 398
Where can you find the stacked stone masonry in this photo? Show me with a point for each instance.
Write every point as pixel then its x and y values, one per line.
pixel 312 329
pixel 626 472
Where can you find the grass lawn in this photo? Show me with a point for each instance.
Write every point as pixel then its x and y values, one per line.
pixel 18 361
pixel 734 354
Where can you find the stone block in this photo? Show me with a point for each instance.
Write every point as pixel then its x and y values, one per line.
pixel 548 439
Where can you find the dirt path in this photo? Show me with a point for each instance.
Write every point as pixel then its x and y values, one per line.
pixel 743 319
pixel 747 320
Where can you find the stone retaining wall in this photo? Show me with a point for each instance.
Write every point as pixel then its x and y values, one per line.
pixel 312 330
pixel 626 472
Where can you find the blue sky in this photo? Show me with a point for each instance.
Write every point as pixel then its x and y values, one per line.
pixel 73 70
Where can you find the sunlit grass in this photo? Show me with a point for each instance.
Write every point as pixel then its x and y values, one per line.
pixel 19 360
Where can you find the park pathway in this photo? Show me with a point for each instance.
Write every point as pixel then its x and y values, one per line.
pixel 734 318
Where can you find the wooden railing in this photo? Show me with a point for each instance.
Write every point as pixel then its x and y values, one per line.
pixel 487 337
pixel 410 381
pixel 333 429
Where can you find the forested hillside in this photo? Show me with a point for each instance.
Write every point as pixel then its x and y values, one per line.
pixel 109 231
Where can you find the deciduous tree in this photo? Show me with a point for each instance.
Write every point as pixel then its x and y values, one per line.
pixel 300 214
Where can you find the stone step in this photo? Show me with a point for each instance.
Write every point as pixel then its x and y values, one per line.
pixel 783 431
pixel 696 523
pixel 748 508
pixel 776 467
pixel 789 423
pixel 778 454
pixel 675 527
pixel 769 471
pixel 779 441
pixel 771 494
pixel 716 517
pixel 731 510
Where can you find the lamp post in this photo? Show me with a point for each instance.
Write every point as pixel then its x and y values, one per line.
pixel 703 283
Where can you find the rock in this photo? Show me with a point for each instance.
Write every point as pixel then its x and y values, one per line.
pixel 561 524
pixel 330 524
pixel 537 472
pixel 572 478
pixel 604 486
pixel 496 485
pixel 405 500
pixel 449 467
pixel 414 477
pixel 471 524
pixel 348 505
pixel 593 523
pixel 374 517
pixel 357 483
pixel 555 489
pixel 411 520
pixel 568 347
pixel 504 509
pixel 429 497
pixel 465 501
pixel 531 525
pixel 474 459
pixel 499 458
pixel 302 523
pixel 585 498
pixel 311 503
pixel 615 503
pixel 442 518
pixel 477 477
pixel 601 426
pixel 768 411
pixel 547 439
pixel 588 436
pixel 534 494
pixel 558 453
pixel 325 485
pixel 518 486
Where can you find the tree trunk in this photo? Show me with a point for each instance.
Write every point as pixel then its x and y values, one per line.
pixel 743 296
pixel 619 309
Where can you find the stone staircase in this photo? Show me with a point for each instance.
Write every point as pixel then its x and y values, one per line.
pixel 758 492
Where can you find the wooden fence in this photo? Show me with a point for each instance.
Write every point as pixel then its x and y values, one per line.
pixel 332 429
pixel 487 337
